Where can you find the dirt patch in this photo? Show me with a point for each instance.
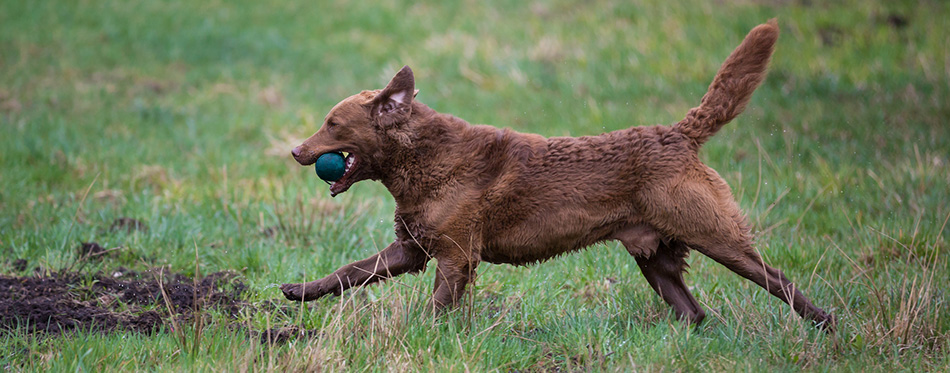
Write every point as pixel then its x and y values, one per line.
pixel 121 300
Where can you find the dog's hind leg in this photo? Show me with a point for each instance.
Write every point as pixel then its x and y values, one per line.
pixel 664 271
pixel 701 212
pixel 662 263
pixel 742 259
pixel 397 258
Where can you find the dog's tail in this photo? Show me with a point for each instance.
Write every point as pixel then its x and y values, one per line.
pixel 729 92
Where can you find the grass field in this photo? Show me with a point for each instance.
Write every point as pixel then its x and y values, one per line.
pixel 182 114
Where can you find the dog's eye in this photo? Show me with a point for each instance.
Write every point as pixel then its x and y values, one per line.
pixel 332 124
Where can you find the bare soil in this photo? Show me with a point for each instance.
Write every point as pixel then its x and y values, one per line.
pixel 121 300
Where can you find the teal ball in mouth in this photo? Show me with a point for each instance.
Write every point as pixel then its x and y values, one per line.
pixel 330 166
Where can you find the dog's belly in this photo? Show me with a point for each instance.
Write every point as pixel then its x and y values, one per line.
pixel 545 236
pixel 520 255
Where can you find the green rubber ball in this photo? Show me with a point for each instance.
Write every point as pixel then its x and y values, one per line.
pixel 330 166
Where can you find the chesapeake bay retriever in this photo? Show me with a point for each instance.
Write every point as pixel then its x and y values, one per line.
pixel 471 193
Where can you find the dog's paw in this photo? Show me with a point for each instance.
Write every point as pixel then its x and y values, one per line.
pixel 293 291
pixel 828 323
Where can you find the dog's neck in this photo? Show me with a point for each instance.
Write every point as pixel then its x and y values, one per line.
pixel 411 173
pixel 423 168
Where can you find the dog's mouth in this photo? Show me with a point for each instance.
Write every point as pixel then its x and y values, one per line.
pixel 351 175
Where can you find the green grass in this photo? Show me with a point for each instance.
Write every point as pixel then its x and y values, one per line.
pixel 182 114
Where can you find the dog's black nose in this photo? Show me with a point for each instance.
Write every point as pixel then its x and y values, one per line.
pixel 295 152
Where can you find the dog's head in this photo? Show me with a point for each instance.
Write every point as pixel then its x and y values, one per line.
pixel 363 125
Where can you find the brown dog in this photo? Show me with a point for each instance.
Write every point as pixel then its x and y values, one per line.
pixel 470 193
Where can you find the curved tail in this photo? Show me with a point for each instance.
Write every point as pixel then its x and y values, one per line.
pixel 729 92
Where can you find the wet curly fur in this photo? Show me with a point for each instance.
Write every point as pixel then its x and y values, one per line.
pixel 471 193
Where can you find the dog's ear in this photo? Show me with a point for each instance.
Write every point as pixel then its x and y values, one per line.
pixel 393 104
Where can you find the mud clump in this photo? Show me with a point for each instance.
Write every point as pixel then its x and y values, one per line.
pixel 128 225
pixel 88 249
pixel 123 300
pixel 19 265
pixel 285 334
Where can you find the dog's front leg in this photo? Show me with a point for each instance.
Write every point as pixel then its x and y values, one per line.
pixel 452 275
pixel 397 258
